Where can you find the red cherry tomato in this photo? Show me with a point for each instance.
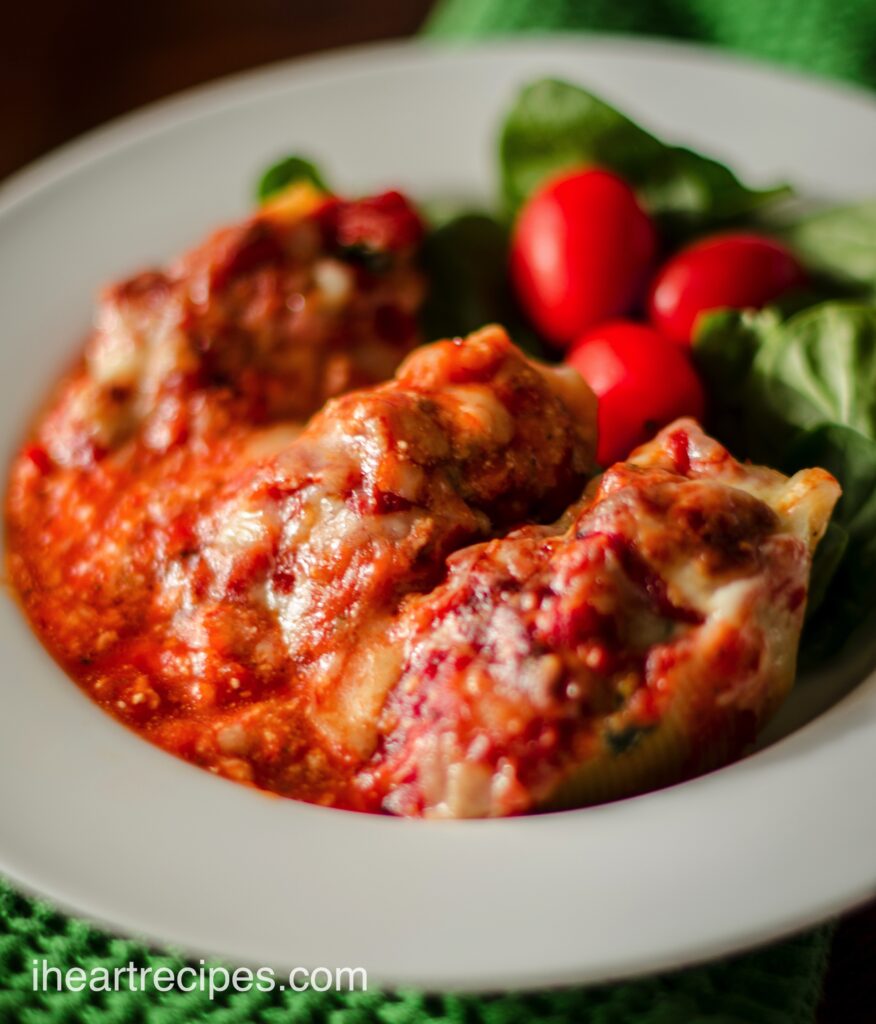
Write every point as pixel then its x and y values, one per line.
pixel 580 253
pixel 642 382
pixel 738 270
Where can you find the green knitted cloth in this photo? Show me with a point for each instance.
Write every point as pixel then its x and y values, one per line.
pixel 831 37
pixel 775 986
pixel 779 985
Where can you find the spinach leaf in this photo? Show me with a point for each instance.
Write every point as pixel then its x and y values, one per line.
pixel 817 367
pixel 843 584
pixel 725 345
pixel 826 562
pixel 555 126
pixel 466 261
pixel 839 244
pixel 802 392
pixel 851 458
pixel 286 171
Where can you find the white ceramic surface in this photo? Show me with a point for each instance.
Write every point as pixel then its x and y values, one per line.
pixel 112 828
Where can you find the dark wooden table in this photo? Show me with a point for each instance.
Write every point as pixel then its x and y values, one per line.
pixel 68 65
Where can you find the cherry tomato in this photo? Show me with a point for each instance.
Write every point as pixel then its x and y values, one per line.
pixel 580 253
pixel 738 270
pixel 642 382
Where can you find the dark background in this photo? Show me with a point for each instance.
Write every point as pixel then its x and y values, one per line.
pixel 68 65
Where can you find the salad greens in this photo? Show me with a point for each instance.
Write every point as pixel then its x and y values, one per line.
pixel 802 392
pixel 793 385
pixel 286 171
pixel 843 588
pixel 839 245
pixel 818 367
pixel 771 378
pixel 466 260
pixel 555 126
pixel 726 344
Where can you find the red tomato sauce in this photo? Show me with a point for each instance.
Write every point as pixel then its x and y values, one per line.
pixel 190 370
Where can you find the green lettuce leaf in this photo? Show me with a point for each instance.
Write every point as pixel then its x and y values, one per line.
pixel 797 393
pixel 725 346
pixel 286 171
pixel 839 244
pixel 818 367
pixel 554 126
pixel 466 260
pixel 842 593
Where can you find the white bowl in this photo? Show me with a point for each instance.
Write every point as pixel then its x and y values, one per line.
pixel 107 826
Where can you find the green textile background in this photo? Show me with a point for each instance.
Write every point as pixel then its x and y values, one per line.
pixel 778 985
pixel 830 37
